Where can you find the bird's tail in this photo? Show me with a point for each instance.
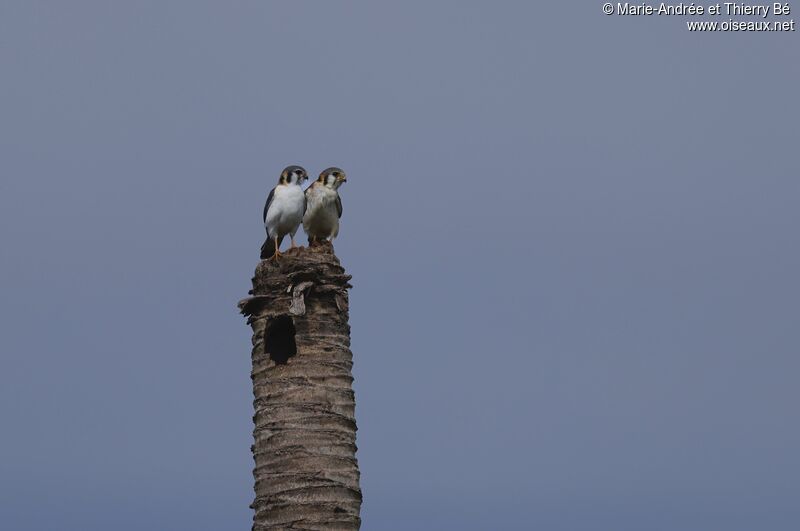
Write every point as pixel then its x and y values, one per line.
pixel 268 248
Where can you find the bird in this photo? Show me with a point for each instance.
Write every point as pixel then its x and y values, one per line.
pixel 324 206
pixel 284 210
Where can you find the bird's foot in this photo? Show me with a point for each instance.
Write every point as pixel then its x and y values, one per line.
pixel 275 256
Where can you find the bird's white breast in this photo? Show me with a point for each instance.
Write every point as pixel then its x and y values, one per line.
pixel 285 213
pixel 321 219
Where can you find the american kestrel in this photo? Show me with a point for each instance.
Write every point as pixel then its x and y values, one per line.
pixel 324 206
pixel 284 210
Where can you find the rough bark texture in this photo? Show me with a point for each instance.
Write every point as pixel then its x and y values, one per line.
pixel 306 473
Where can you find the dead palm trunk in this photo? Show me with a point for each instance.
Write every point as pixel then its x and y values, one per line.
pixel 306 473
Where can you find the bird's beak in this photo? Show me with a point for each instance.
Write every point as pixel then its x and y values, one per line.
pixel 342 179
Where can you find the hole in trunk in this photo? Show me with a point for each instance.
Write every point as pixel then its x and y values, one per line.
pixel 279 343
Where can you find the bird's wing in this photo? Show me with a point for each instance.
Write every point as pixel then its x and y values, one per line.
pixel 339 205
pixel 268 203
pixel 306 195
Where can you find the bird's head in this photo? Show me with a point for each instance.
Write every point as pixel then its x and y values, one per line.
pixel 332 178
pixel 293 175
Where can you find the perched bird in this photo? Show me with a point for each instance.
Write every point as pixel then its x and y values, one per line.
pixel 284 210
pixel 324 206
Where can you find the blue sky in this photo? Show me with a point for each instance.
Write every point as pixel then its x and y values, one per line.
pixel 573 241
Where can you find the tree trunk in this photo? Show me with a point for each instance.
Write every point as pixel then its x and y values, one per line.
pixel 306 474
